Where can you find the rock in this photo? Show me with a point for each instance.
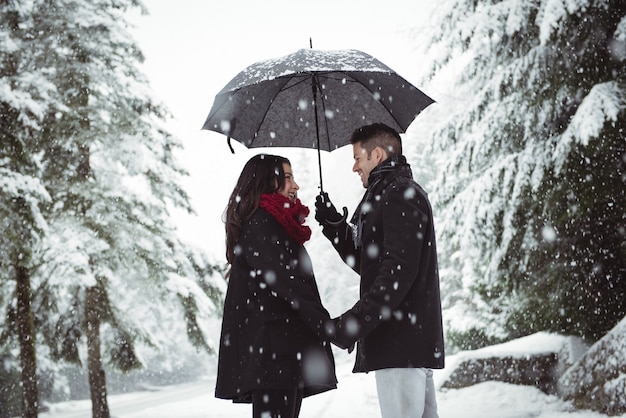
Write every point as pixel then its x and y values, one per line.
pixel 598 379
pixel 536 360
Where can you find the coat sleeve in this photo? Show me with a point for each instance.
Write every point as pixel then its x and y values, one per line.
pixel 283 267
pixel 404 219
pixel 340 236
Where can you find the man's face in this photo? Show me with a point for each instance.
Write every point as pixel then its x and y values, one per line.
pixel 364 163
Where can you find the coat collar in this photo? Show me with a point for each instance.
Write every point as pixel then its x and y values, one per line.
pixel 390 169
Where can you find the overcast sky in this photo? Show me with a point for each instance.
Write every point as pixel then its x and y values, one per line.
pixel 194 47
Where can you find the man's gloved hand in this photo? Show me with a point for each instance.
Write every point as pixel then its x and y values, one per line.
pixel 339 336
pixel 325 211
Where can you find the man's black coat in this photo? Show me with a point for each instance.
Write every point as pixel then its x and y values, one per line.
pixel 397 321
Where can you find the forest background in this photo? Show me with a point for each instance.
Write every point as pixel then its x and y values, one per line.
pixel 523 156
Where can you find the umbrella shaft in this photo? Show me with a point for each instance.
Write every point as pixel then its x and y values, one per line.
pixel 317 131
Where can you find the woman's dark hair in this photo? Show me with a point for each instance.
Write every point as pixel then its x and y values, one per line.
pixel 262 174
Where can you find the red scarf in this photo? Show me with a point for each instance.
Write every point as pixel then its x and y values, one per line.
pixel 290 215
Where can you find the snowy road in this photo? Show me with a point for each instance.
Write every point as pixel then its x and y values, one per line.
pixel 357 393
pixel 136 404
pixel 355 397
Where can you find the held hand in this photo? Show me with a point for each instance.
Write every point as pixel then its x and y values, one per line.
pixel 337 336
pixel 325 211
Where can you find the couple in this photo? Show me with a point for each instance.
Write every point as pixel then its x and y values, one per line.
pixel 275 347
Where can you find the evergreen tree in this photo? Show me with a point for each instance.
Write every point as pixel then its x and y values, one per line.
pixel 533 96
pixel 110 253
pixel 24 98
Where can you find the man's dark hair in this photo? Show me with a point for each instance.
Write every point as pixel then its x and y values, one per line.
pixel 378 135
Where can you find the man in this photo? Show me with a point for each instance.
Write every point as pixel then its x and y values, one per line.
pixel 390 242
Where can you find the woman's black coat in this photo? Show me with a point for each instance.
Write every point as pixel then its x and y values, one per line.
pixel 397 321
pixel 273 332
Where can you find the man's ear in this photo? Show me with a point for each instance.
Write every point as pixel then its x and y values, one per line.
pixel 381 154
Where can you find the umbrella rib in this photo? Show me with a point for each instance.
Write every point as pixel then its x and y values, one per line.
pixel 325 119
pixel 349 78
pixel 278 91
pixel 306 76
pixel 355 80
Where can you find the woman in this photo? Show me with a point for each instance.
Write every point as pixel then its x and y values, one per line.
pixel 273 346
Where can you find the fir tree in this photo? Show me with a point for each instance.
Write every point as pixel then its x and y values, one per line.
pixel 24 99
pixel 533 97
pixel 110 252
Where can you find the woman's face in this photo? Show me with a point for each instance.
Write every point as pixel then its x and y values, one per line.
pixel 290 189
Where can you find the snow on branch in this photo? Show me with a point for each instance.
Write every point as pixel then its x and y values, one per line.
pixel 554 12
pixel 603 104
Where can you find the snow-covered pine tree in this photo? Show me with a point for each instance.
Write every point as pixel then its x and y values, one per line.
pixel 25 95
pixel 530 210
pixel 111 262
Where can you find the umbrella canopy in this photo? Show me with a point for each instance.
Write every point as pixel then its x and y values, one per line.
pixel 313 99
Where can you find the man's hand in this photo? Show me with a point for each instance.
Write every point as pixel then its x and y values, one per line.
pixel 325 211
pixel 338 336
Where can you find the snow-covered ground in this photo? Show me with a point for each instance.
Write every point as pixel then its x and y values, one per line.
pixel 355 397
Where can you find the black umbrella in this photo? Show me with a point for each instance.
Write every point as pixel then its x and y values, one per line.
pixel 313 99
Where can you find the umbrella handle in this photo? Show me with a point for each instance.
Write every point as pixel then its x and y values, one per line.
pixel 343 218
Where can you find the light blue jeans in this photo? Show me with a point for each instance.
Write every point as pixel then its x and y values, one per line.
pixel 406 393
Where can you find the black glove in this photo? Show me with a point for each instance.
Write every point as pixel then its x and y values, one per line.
pixel 338 336
pixel 325 211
